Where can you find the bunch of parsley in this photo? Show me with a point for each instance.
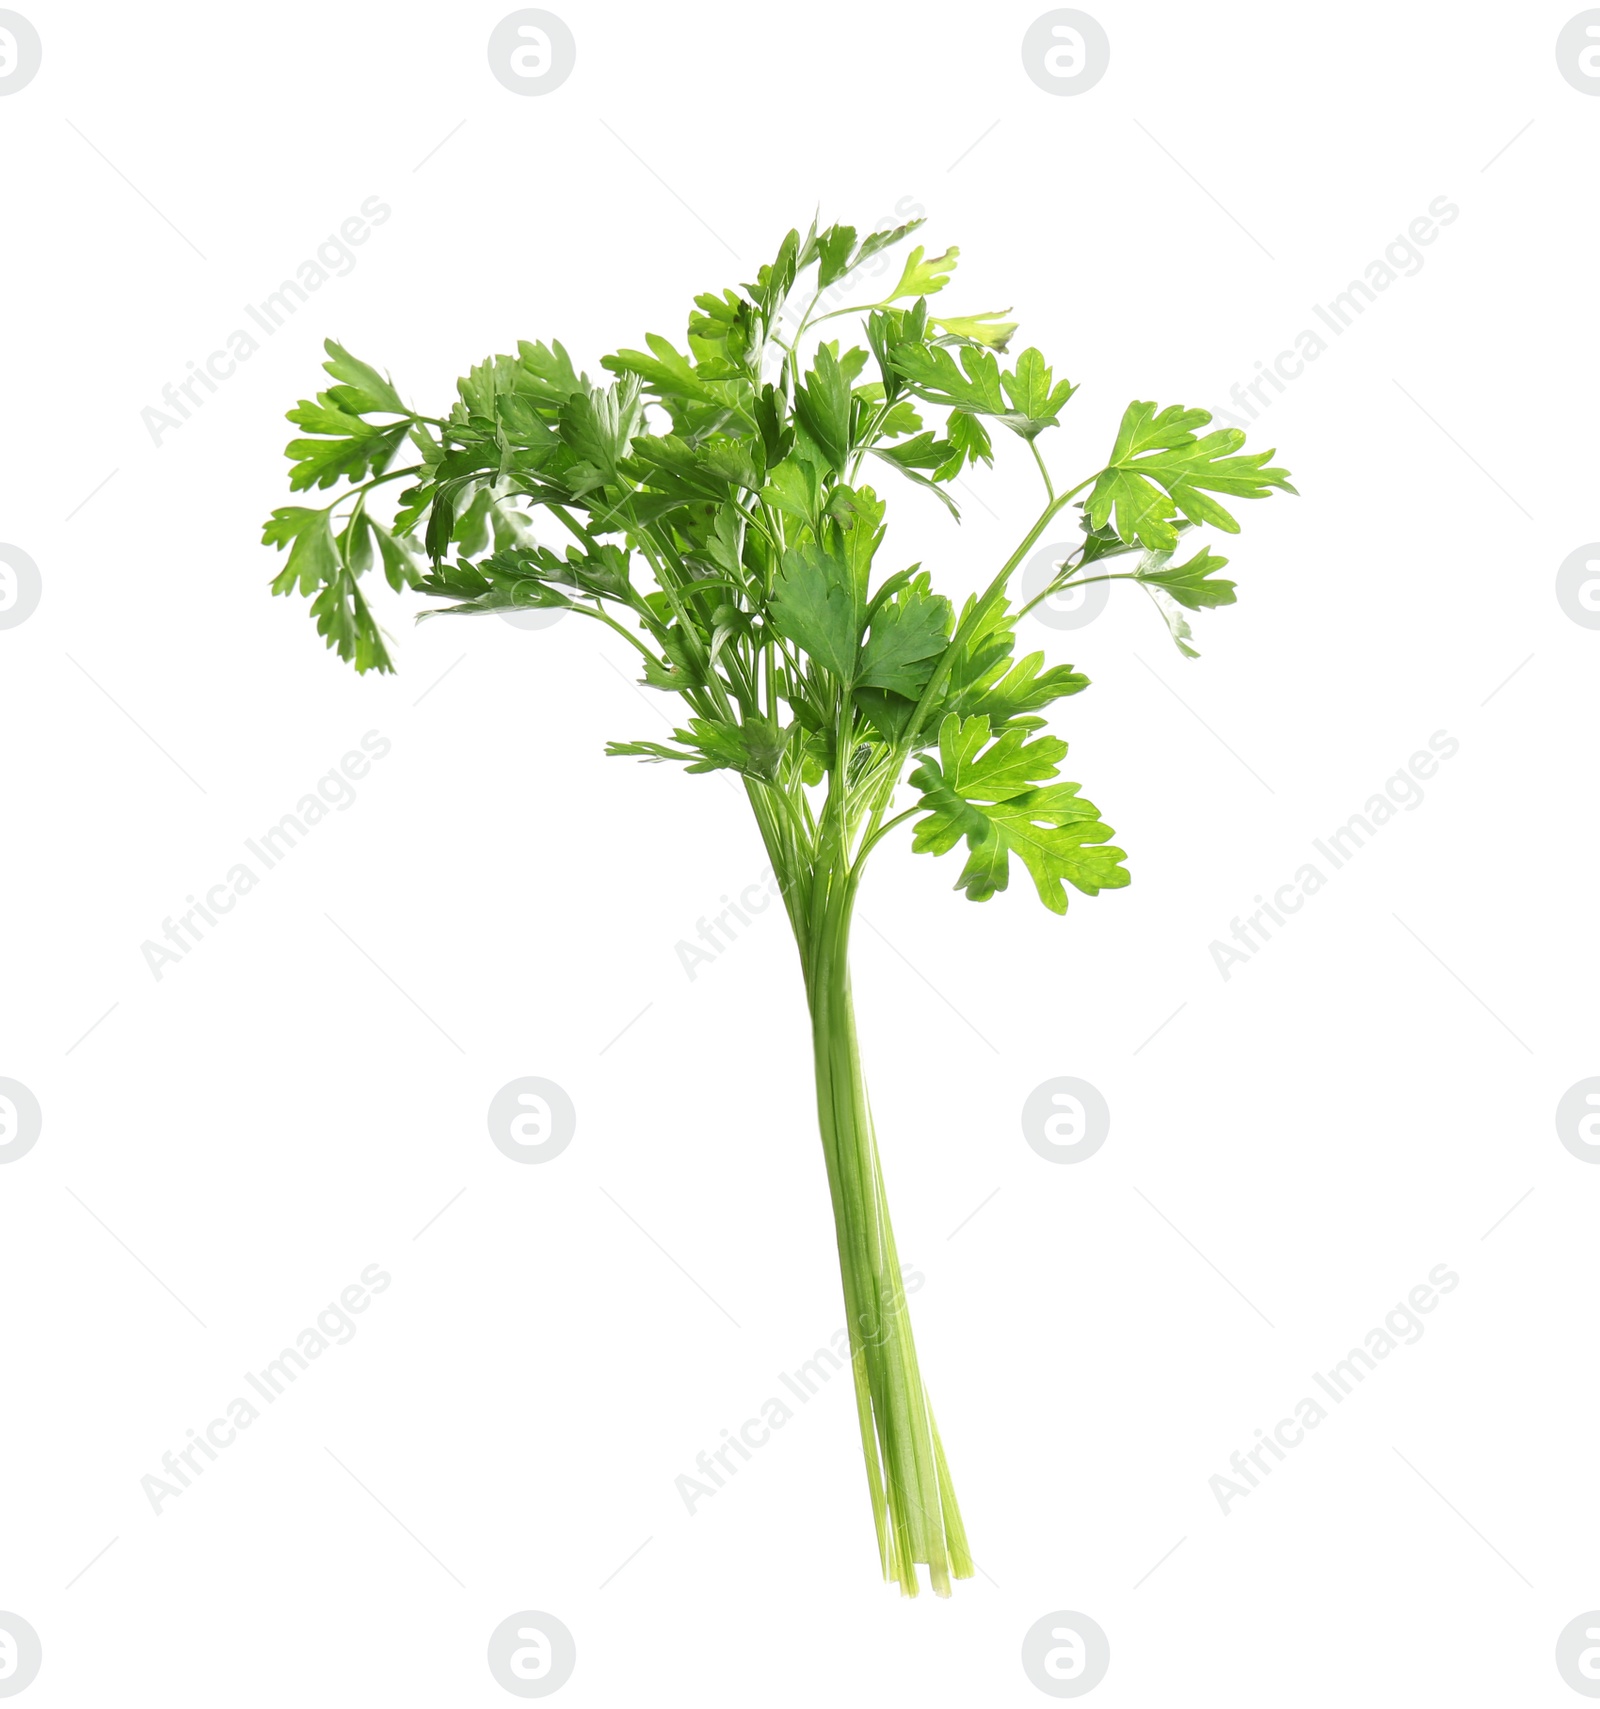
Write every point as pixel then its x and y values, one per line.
pixel 720 524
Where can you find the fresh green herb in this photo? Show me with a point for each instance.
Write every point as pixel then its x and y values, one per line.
pixel 718 520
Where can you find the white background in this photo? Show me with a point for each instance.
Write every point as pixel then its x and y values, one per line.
pixel 296 1100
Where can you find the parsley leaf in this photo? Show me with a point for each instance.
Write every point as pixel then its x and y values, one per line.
pixel 905 637
pixel 1027 398
pixel 816 603
pixel 991 796
pixel 1159 468
pixel 1194 584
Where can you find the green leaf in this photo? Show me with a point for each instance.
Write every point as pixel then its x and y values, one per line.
pixel 792 487
pixel 970 437
pixel 775 279
pixel 354 447
pixel 324 416
pixel 313 558
pixel 1010 692
pixel 771 419
pixel 898 419
pixel 1025 398
pixel 666 372
pixel 932 373
pixel 1105 542
pixel 892 585
pixel 1033 395
pixel 471 532
pixel 994 771
pixel 997 798
pixel 346 624
pixel 888 713
pixel 361 389
pixel 325 462
pixel 834 247
pixel 400 569
pixel 921 452
pixel 598 424
pixel 545 373
pixel 823 406
pixel 876 241
pixel 723 331
pixel 1194 584
pixel 711 469
pixel 539 378
pixel 488 587
pixel 531 575
pixel 989 328
pixel 817 605
pixel 988 645
pixel 1060 838
pixel 753 748
pixel 905 637
pixel 1159 469
pixel 287 524
pixel 478 388
pixel 1177 624
pixel 921 480
pixel 317 567
pixel 887 330
pixel 921 278
pixel 859 513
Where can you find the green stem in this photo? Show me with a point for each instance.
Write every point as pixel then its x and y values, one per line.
pixel 990 594
pixel 1062 583
pixel 876 833
pixel 914 1506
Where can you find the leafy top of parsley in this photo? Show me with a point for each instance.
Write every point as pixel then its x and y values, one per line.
pixel 712 506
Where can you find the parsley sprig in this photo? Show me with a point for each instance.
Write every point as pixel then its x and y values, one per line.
pixel 710 507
